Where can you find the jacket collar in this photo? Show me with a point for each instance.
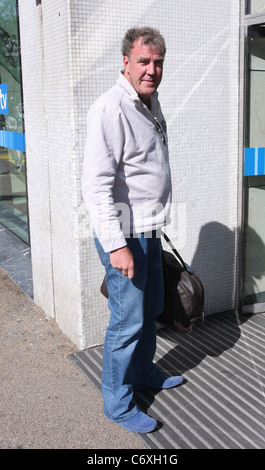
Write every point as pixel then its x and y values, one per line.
pixel 133 96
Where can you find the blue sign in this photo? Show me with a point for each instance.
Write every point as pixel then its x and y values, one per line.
pixel 254 161
pixel 13 140
pixel 3 99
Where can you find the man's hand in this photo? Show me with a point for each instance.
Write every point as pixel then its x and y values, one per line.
pixel 122 259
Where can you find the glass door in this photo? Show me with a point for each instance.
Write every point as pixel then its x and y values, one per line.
pixel 254 174
pixel 13 185
pixel 255 6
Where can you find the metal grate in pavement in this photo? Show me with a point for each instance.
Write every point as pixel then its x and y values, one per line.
pixel 222 403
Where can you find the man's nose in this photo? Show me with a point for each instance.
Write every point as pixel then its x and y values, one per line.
pixel 151 68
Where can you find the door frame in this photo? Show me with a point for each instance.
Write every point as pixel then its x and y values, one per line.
pixel 246 22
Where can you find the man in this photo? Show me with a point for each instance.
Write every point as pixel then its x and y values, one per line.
pixel 127 189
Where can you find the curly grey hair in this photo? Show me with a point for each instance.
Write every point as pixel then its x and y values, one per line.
pixel 150 36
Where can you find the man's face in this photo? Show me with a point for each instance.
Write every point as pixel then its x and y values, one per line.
pixel 144 69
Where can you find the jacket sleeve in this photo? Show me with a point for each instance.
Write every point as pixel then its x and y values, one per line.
pixel 103 151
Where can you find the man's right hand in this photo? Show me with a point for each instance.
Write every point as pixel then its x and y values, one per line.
pixel 122 259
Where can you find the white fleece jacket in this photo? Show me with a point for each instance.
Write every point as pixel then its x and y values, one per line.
pixel 126 180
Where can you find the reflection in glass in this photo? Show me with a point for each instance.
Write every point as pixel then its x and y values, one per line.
pixel 255 6
pixel 254 205
pixel 13 192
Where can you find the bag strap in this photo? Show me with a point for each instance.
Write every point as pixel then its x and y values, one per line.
pixel 176 253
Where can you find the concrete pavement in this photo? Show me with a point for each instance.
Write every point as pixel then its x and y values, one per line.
pixel 45 402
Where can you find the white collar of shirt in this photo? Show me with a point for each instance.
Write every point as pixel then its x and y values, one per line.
pixel 124 83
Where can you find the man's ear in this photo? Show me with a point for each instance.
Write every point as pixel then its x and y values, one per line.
pixel 126 64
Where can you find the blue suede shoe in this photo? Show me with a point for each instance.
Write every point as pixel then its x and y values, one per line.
pixel 170 382
pixel 140 422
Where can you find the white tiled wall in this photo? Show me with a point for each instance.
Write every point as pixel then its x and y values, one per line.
pixel 37 153
pixel 70 55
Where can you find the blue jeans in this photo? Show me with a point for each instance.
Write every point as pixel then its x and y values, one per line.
pixel 130 341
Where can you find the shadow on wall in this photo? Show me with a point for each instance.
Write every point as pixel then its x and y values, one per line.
pixel 214 263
